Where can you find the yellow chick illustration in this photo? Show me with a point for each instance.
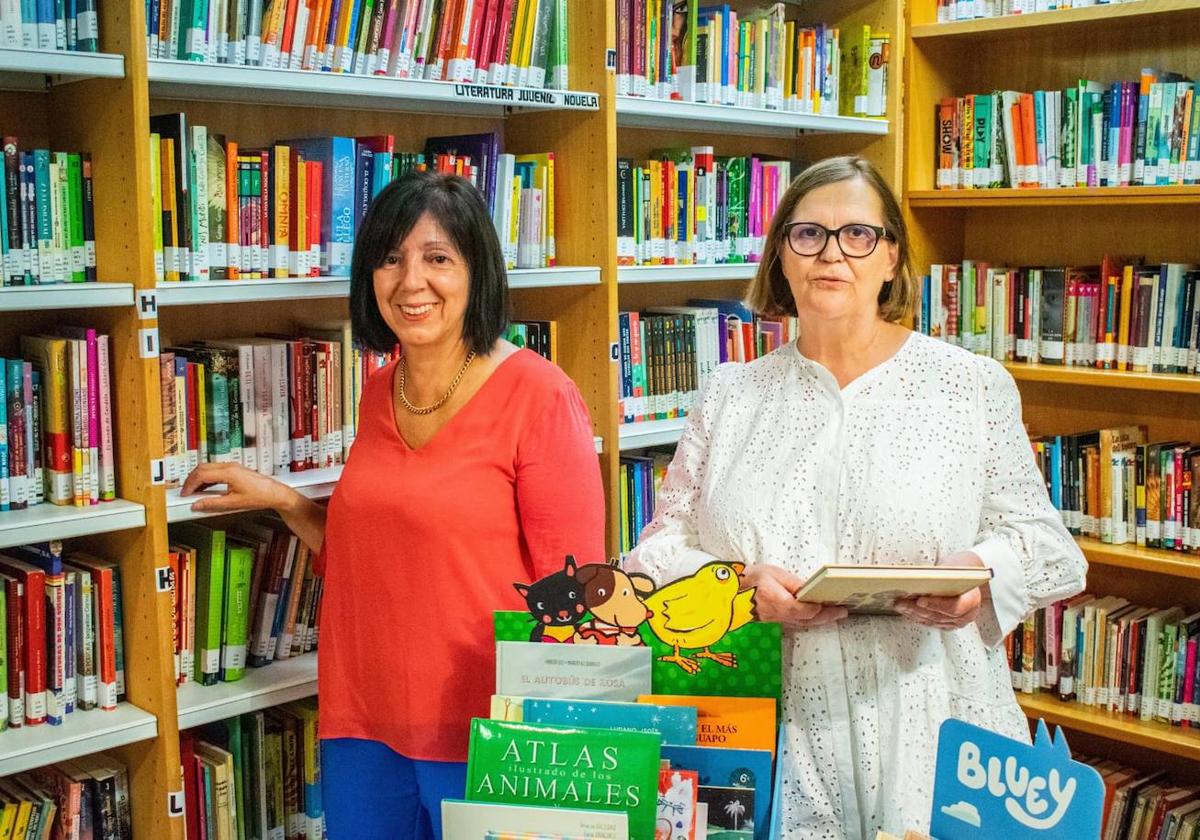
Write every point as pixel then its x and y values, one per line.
pixel 696 612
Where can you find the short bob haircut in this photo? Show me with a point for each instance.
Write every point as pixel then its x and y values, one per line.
pixel 769 293
pixel 461 211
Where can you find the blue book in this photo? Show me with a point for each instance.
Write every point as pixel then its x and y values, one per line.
pixel 337 158
pixel 722 767
pixel 676 724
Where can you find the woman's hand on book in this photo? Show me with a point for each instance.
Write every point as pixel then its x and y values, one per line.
pixel 244 489
pixel 775 599
pixel 946 613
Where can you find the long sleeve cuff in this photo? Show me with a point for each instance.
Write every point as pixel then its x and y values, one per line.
pixel 1008 591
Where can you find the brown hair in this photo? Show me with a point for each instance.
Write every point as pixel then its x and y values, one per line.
pixel 769 293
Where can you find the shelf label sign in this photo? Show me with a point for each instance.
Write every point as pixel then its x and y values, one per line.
pixel 526 96
pixel 175 804
pixel 147 306
pixel 158 471
pixel 989 786
pixel 163 578
pixel 148 342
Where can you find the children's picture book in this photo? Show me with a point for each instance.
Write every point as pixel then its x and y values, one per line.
pixel 568 767
pixel 487 819
pixel 874 590
pixel 532 669
pixel 676 724
pixel 677 799
pixel 730 767
pixel 730 812
pixel 742 722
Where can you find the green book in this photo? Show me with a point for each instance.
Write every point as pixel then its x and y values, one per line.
pixel 735 202
pixel 255 773
pixel 233 728
pixel 570 767
pixel 235 628
pixel 558 72
pixel 209 544
pixel 78 257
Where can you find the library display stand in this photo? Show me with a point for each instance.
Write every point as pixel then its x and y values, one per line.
pixel 1070 226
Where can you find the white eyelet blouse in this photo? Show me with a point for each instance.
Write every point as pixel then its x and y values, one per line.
pixel 922 456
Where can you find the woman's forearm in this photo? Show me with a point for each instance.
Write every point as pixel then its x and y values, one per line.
pixel 305 518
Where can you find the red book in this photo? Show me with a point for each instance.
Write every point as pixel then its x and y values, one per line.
pixel 315 171
pixel 193 409
pixel 450 23
pixel 192 793
pixel 289 26
pixel 480 10
pixel 33 581
pixel 15 612
pixel 485 47
pixel 296 405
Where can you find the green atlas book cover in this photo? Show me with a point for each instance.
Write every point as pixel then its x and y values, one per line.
pixel 570 767
pixel 755 668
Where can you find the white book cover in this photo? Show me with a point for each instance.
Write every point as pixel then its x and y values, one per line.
pixel 572 671
pixel 476 819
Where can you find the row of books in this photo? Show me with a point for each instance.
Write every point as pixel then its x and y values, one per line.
pixel 952 10
pixel 640 477
pixel 1145 805
pixel 86 797
pixel 47 227
pixel 1108 653
pixel 539 336
pixel 242 598
pixel 56 428
pixel 521 43
pixel 291 209
pixel 685 206
pixel 73 26
pixel 667 353
pixel 752 59
pixel 254 776
pixel 274 404
pixel 63 634
pixel 1144 133
pixel 1118 315
pixel 1116 486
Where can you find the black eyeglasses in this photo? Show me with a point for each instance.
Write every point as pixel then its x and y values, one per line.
pixel 808 239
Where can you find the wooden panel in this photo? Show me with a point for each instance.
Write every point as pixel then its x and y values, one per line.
pixel 1139 587
pixel 180 324
pixel 640 295
pixel 23 115
pixel 637 143
pixel 1172 740
pixel 1172 564
pixel 1083 19
pixel 1084 744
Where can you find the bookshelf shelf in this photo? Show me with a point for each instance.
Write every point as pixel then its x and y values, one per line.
pixel 1063 375
pixel 261 86
pixel 1157 561
pixel 651 433
pixel 643 112
pixel 313 484
pixel 631 274
pixel 65 296
pixel 45 522
pixel 548 278
pixel 29 69
pixel 81 733
pixel 1061 20
pixel 1153 735
pixel 280 682
pixel 312 288
pixel 1072 197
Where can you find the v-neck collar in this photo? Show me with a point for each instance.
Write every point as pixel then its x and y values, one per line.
pixel 463 409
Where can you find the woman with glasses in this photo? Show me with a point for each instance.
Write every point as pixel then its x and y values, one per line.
pixel 863 442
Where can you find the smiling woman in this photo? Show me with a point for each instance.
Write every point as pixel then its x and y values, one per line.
pixel 473 467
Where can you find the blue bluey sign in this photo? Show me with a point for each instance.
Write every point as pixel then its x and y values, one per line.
pixel 990 786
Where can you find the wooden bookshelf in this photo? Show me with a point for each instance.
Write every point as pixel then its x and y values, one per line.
pixel 1018 227
pixel 1085 18
pixel 1066 197
pixel 1154 735
pixel 106 110
pixel 1157 561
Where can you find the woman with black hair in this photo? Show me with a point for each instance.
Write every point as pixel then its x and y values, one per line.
pixel 473 468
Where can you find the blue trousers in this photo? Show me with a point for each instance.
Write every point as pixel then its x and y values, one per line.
pixel 371 792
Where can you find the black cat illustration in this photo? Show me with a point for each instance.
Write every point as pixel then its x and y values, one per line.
pixel 556 604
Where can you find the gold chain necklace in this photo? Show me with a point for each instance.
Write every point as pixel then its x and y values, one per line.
pixel 429 409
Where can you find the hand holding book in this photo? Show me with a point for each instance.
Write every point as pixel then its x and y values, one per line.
pixel 775 599
pixel 947 612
